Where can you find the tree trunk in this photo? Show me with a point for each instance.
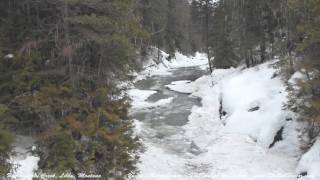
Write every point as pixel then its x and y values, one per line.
pixel 262 52
pixel 207 12
pixel 68 41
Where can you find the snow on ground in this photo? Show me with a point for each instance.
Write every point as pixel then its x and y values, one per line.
pixel 159 164
pixel 310 162
pixel 25 168
pixel 255 88
pixel 236 147
pixel 232 149
pixel 23 160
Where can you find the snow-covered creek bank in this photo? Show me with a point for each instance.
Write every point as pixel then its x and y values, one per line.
pixel 25 162
pixel 257 138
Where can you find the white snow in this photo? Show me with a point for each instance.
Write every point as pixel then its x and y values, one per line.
pixel 296 77
pixel 254 86
pixel 314 171
pixel 23 160
pixel 310 161
pixel 183 86
pixel 9 56
pixel 25 168
pixel 237 146
pixel 232 149
pixel 140 97
pixel 158 164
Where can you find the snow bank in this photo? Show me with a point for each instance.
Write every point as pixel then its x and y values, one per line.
pixel 140 97
pixel 253 100
pixel 310 161
pixel 159 165
pixel 254 89
pixel 24 162
pixel 25 168
pixel 314 171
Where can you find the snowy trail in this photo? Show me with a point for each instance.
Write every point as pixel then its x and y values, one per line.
pixel 185 139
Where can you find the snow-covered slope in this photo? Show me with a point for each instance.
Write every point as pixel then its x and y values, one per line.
pixel 253 104
pixel 310 162
pixel 242 129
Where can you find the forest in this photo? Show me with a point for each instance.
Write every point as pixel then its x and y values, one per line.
pixel 61 63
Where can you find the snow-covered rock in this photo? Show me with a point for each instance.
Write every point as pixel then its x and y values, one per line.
pixel 9 56
pixel 310 161
pixel 181 86
pixel 254 89
pixel 296 77
pixel 140 97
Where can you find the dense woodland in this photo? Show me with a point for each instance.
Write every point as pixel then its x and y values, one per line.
pixel 60 61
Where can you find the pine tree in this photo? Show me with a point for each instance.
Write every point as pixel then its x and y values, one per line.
pixel 203 13
pixel 308 48
pixel 60 85
pixel 220 40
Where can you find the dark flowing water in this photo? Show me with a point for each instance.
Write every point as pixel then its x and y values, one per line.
pixel 163 125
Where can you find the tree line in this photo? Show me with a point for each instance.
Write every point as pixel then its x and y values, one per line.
pixel 60 62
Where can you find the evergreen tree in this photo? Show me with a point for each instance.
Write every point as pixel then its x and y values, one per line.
pixel 307 49
pixel 220 38
pixel 203 13
pixel 169 25
pixel 60 84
